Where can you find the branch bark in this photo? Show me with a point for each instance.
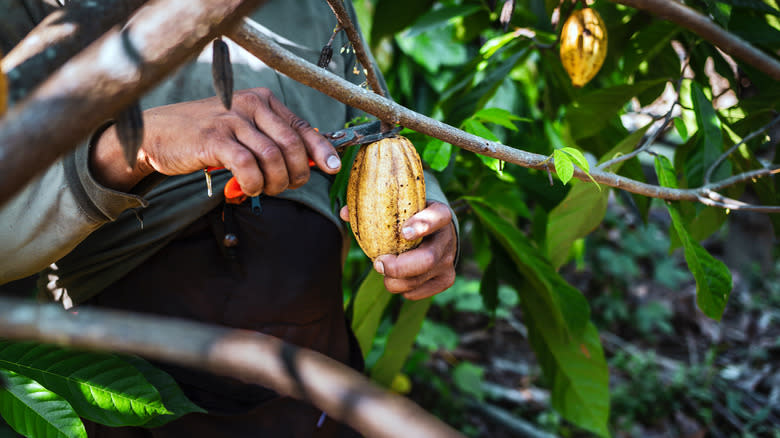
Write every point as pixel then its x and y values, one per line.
pixel 704 27
pixel 103 79
pixel 343 393
pixel 283 61
pixel 58 37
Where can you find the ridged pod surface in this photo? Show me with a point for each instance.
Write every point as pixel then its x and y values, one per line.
pixel 386 187
pixel 583 45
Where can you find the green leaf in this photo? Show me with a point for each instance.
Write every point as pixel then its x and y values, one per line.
pixel 400 341
pixel 568 311
pixel 34 411
pixel 369 306
pixel 563 165
pixel 440 17
pixel 594 110
pixel 710 144
pixel 392 16
pixel 575 217
pixel 647 43
pixel 434 336
pixel 469 378
pixel 172 396
pixel 500 116
pixel 477 128
pixel 100 387
pixel 433 49
pixel 713 279
pixel 578 158
pixel 679 125
pixel 572 361
pixel 437 154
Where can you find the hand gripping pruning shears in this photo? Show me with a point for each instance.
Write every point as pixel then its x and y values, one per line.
pixel 355 135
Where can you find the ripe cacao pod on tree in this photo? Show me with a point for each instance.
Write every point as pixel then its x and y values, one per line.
pixel 583 45
pixel 386 187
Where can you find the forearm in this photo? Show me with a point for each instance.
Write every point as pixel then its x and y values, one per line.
pixel 53 214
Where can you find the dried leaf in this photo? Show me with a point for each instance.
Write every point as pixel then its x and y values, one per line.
pixel 506 13
pixel 130 130
pixel 222 72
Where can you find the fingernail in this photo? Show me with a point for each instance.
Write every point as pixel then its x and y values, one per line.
pixel 379 266
pixel 408 233
pixel 334 162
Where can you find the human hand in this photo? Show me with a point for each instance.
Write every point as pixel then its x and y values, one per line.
pixel 428 269
pixel 260 140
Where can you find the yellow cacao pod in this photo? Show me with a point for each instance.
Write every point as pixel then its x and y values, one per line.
pixel 583 45
pixel 386 187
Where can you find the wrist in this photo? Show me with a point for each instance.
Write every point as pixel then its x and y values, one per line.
pixel 107 162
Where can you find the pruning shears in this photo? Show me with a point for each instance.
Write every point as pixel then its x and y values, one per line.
pixel 341 139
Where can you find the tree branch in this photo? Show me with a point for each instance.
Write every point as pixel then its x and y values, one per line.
pixel 58 37
pixel 302 71
pixel 704 27
pixel 357 44
pixel 103 79
pixel 731 150
pixel 343 393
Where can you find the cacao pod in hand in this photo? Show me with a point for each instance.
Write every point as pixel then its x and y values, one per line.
pixel 583 45
pixel 386 187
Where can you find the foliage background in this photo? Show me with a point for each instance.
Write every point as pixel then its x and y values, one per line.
pixel 578 310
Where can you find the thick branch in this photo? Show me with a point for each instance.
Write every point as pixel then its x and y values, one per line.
pixel 103 79
pixel 704 27
pixel 357 44
pixel 302 71
pixel 340 391
pixel 62 34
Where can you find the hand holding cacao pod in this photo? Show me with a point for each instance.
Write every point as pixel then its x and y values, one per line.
pixel 583 45
pixel 386 187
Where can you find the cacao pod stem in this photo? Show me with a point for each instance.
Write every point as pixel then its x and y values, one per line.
pixel 222 72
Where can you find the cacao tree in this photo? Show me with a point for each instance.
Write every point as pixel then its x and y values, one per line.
pixel 683 109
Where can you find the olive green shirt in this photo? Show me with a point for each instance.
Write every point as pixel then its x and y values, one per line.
pixel 95 234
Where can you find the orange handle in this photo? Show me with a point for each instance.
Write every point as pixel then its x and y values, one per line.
pixel 233 192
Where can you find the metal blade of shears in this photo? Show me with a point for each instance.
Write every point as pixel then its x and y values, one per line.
pixel 359 134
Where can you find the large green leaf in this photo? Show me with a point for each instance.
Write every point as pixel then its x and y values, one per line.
pixel 369 306
pixel 100 387
pixel 710 141
pixel 573 365
pixel 583 208
pixel 592 111
pixel 392 16
pixel 440 17
pixel 400 341
pixel 647 43
pixel 713 279
pixel 34 411
pixel 172 396
pixel 568 310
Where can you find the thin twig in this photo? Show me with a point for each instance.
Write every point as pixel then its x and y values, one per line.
pixel 690 19
pixel 357 44
pixel 731 150
pixel 650 140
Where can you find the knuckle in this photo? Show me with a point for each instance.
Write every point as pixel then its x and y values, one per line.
pixel 247 98
pixel 243 158
pixel 448 279
pixel 289 140
pixel 270 154
pixel 298 123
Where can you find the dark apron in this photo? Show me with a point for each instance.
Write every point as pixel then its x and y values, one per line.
pixel 283 279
